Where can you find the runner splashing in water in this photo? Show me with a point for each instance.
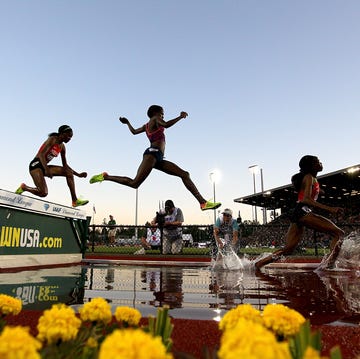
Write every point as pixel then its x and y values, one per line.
pixel 308 188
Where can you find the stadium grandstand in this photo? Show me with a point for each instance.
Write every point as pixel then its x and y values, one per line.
pixel 340 189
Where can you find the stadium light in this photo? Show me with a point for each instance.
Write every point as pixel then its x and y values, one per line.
pixel 254 169
pixel 214 177
pixel 353 169
pixel 136 212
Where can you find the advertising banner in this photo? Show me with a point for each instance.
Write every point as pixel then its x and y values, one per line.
pixel 40 289
pixel 37 205
pixel 36 233
pixel 24 232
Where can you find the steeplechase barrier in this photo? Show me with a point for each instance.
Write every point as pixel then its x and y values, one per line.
pixel 35 232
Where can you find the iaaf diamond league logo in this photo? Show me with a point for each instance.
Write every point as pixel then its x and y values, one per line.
pixel 20 201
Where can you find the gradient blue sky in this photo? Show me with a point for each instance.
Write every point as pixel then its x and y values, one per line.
pixel 264 82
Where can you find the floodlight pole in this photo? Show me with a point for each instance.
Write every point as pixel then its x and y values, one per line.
pixel 262 190
pixel 253 169
pixel 136 213
pixel 255 208
pixel 213 179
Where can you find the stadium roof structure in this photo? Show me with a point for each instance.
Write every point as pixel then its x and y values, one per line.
pixel 341 189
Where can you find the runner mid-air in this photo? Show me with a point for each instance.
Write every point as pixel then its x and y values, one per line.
pixel 154 156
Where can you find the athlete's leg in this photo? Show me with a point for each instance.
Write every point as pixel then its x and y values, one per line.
pixel 40 188
pixel 68 173
pixel 174 170
pixel 324 225
pixel 143 172
pixel 292 238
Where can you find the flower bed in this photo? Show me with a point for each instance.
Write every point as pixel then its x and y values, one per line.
pixel 276 328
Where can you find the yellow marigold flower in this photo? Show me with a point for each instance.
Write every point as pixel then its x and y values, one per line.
pixel 58 323
pixel 97 310
pixel 92 343
pixel 9 305
pixel 17 342
pixel 311 353
pixel 250 340
pixel 132 344
pixel 246 311
pixel 128 315
pixel 282 320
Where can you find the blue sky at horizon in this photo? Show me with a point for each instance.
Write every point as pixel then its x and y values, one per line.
pixel 264 82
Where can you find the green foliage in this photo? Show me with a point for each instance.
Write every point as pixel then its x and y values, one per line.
pixel 299 343
pixel 306 338
pixel 161 326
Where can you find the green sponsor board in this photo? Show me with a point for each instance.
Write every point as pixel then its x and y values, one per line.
pixel 39 290
pixel 24 232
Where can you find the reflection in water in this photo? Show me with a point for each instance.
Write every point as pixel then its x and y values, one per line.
pixel 170 289
pixel 192 292
pixel 152 279
pixel 166 286
pixel 345 290
pixel 228 286
pixel 40 289
pixel 317 296
pixel 109 278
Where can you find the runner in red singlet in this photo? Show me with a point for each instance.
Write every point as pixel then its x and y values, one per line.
pixel 39 168
pixel 154 156
pixel 308 188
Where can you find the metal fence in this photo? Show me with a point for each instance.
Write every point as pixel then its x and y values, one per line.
pixel 196 239
pixel 199 239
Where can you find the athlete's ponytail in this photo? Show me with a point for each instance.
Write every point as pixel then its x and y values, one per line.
pixel 306 165
pixel 297 179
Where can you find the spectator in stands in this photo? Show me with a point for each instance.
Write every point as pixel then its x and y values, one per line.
pixel 226 229
pixel 308 188
pixel 172 234
pixel 112 230
pixel 39 168
pixel 153 237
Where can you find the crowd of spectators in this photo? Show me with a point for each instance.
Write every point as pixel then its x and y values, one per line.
pixel 273 234
pixel 270 235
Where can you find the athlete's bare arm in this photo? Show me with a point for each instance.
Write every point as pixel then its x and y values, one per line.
pixel 172 122
pixel 134 131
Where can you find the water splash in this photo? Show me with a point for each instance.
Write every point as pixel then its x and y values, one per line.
pixel 227 259
pixel 348 258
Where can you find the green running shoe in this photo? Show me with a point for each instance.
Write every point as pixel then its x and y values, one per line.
pixel 80 202
pixel 209 205
pixel 98 178
pixel 20 190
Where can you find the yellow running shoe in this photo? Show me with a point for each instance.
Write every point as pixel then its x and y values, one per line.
pixel 20 190
pixel 80 202
pixel 98 178
pixel 209 205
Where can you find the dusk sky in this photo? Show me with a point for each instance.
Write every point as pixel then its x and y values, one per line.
pixel 264 82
